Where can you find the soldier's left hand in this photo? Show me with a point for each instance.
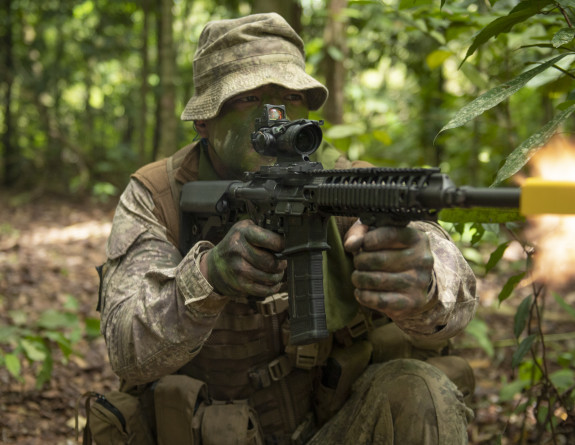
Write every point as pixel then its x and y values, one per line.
pixel 393 269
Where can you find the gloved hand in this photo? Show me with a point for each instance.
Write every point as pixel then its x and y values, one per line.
pixel 243 263
pixel 393 269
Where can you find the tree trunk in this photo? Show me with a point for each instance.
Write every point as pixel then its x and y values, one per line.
pixel 143 112
pixel 10 153
pixel 167 122
pixel 288 9
pixel 335 53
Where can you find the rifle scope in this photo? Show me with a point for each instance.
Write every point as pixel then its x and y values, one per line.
pixel 277 136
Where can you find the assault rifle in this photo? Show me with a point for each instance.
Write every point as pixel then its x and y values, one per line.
pixel 296 197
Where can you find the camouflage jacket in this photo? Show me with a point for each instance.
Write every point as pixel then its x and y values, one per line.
pixel 158 310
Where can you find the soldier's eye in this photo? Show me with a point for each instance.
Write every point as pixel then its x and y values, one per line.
pixel 246 99
pixel 295 97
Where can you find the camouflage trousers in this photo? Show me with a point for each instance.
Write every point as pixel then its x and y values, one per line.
pixel 404 401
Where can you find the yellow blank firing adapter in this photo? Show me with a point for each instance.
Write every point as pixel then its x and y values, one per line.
pixel 542 196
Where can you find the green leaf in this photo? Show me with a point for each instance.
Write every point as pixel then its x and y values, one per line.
pixel 563 379
pixel 478 234
pixel 520 13
pixel 564 305
pixel 45 372
pixel 523 349
pixel 530 371
pixel 436 58
pixel 496 256
pixel 19 317
pixel 563 36
pixel 71 303
pixel 92 327
pixel 8 334
pixel 496 95
pixel 63 343
pixel 35 349
pixel 565 105
pixel 53 319
pixel 512 282
pixel 479 330
pixel 12 363
pixel 522 154
pixel 521 316
pixel 509 390
pixel 564 360
pixel 408 4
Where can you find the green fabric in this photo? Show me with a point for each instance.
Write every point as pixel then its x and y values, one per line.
pixel 340 304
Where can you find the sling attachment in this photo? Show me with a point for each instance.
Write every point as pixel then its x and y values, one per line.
pixel 273 304
pixel 355 330
pixel 305 356
pixel 274 371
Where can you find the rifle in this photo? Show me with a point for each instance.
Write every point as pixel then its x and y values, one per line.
pixel 296 197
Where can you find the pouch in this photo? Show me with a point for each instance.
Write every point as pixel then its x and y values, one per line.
pixel 116 418
pixel 177 401
pixel 231 423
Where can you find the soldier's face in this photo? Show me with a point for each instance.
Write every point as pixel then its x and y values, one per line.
pixel 229 133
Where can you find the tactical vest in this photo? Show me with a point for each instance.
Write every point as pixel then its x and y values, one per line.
pixel 247 354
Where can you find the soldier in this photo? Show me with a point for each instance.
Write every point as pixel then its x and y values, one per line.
pixel 200 341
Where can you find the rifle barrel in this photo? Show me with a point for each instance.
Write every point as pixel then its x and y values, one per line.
pixel 505 197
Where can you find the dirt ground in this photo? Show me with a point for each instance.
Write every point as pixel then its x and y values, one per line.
pixel 48 252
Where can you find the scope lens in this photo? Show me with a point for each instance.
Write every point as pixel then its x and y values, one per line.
pixel 307 139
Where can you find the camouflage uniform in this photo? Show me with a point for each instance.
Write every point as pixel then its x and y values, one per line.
pixel 159 312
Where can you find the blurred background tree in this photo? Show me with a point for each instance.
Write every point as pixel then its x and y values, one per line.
pixel 92 89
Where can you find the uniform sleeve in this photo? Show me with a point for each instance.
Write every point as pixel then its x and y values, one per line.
pixel 157 308
pixel 453 291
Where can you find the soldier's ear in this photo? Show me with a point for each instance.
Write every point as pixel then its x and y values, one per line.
pixel 201 128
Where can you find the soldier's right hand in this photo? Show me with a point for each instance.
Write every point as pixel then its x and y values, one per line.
pixel 243 263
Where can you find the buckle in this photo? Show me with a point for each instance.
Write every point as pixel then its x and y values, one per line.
pixel 306 356
pixel 275 370
pixel 279 368
pixel 358 326
pixel 273 304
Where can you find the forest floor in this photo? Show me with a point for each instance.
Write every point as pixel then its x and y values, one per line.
pixel 48 252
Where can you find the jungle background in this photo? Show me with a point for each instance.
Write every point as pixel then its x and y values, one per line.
pixel 91 90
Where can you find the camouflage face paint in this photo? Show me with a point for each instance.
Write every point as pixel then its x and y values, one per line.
pixel 229 134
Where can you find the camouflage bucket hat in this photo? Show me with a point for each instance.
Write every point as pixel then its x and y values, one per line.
pixel 239 55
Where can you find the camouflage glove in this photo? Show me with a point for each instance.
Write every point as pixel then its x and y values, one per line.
pixel 393 269
pixel 243 263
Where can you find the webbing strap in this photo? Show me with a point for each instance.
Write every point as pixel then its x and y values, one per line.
pixel 235 352
pixel 250 322
pixel 274 371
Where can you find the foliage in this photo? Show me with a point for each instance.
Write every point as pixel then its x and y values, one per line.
pixel 542 391
pixel 34 343
pixel 474 87
pixel 83 82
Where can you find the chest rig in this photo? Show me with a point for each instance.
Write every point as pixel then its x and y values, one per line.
pixel 247 356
